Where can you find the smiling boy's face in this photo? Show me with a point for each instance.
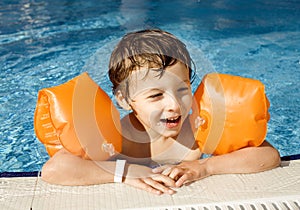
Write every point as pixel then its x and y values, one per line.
pixel 161 102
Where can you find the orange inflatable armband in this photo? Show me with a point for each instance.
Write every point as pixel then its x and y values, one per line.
pixel 79 116
pixel 229 113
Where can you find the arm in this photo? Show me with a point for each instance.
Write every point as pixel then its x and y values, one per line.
pixel 66 169
pixel 246 160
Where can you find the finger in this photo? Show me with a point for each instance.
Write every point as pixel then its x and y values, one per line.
pixel 183 179
pixel 140 184
pixel 166 180
pixel 160 169
pixel 167 171
pixel 176 173
pixel 158 186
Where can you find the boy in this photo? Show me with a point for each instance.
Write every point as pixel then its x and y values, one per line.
pixel 151 74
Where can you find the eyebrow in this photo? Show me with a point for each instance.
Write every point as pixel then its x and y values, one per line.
pixel 186 81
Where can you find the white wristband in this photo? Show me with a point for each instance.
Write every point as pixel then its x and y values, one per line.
pixel 120 165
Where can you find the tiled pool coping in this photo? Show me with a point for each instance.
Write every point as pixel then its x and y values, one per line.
pixel 274 189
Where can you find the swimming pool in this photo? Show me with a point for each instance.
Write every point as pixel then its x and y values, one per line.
pixel 47 42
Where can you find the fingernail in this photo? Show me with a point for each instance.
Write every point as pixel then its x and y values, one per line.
pixel 171 191
pixel 178 184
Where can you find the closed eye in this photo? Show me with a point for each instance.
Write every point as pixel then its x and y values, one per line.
pixel 155 95
pixel 183 89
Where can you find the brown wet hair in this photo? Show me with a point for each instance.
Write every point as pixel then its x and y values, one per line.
pixel 151 48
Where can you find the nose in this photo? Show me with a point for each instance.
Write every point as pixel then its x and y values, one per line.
pixel 171 103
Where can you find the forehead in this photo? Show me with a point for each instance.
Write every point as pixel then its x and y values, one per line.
pixel 144 79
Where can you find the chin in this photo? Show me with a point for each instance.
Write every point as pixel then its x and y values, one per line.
pixel 170 133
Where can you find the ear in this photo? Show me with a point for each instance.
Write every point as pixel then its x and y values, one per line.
pixel 122 101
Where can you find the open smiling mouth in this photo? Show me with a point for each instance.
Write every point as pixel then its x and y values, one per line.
pixel 171 122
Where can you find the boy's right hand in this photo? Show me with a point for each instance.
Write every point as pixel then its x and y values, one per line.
pixel 143 178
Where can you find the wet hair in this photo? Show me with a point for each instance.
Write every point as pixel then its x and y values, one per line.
pixel 153 48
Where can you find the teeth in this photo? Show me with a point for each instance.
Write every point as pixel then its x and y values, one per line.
pixel 172 119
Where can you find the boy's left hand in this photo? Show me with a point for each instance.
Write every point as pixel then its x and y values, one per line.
pixel 184 172
pixel 243 160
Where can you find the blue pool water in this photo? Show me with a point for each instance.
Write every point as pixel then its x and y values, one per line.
pixel 47 42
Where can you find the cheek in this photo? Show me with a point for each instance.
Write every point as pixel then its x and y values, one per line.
pixel 150 118
pixel 186 103
pixel 146 112
pixel 145 108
